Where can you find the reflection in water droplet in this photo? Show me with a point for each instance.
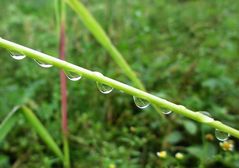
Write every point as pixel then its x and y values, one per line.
pixel 43 64
pixel 164 110
pixel 140 103
pixel 72 76
pixel 17 55
pixel 221 136
pixel 205 113
pixel 167 111
pixel 103 88
pixel 206 117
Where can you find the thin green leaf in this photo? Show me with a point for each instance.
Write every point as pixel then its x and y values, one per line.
pixel 8 123
pixel 94 27
pixel 42 131
pixel 190 127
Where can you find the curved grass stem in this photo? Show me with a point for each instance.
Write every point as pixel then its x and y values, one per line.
pixel 179 109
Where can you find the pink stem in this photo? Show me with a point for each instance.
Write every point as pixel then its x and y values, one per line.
pixel 63 81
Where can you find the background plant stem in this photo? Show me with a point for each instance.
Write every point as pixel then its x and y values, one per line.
pixel 63 79
pixel 63 82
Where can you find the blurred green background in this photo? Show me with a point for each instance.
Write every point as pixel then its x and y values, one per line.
pixel 186 51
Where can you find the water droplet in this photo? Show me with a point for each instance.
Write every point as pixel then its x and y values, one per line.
pixel 221 136
pixel 140 103
pixel 205 113
pixel 17 55
pixel 72 76
pixel 43 64
pixel 165 111
pixel 205 117
pixel 103 88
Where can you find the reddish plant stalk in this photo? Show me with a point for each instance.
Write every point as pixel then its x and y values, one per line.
pixel 63 81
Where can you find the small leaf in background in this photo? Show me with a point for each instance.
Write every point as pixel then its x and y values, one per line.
pixel 195 151
pixel 174 137
pixel 205 152
pixel 4 161
pixel 190 127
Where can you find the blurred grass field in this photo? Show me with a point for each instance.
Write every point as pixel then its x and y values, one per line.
pixel 186 51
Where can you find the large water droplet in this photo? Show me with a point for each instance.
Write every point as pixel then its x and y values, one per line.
pixel 103 88
pixel 72 76
pixel 221 136
pixel 141 103
pixel 17 55
pixel 43 64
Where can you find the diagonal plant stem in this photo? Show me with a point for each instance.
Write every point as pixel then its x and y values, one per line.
pixel 179 109
pixel 94 27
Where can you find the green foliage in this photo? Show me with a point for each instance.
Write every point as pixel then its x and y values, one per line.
pixel 186 51
pixel 10 122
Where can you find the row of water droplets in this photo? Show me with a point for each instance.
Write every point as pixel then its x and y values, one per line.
pixel 105 89
pixel 20 56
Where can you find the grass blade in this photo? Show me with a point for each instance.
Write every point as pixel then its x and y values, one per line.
pixel 41 130
pixel 8 123
pixel 94 27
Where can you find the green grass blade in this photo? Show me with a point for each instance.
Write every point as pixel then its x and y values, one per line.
pixel 94 27
pixel 8 123
pixel 41 130
pixel 57 14
pixel 66 152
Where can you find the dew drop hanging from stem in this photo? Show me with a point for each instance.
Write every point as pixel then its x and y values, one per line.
pixel 43 64
pixel 72 76
pixel 141 103
pixel 221 136
pixel 16 55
